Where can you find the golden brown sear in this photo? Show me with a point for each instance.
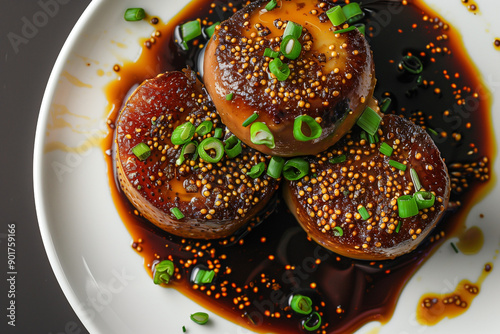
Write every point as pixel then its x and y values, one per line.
pixel 215 198
pixel 328 203
pixel 332 79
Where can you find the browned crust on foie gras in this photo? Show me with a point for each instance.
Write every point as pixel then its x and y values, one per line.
pixel 216 199
pixel 332 198
pixel 332 80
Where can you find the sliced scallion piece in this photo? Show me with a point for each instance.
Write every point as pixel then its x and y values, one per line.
pixel 270 53
pixel 250 119
pixel 295 169
pixel 229 96
pixel 353 12
pixel 312 322
pixel 218 133
pixel 454 247
pixel 363 212
pixel 141 151
pixel 407 206
pixel 336 15
pixel 204 128
pixel 301 304
pixel 183 133
pixel 385 104
pixel 271 5
pixel 275 167
pixel 398 226
pixel 338 231
pixel 424 199
pixel 432 132
pixel 397 165
pixel 314 128
pixel 190 30
pixel 261 135
pixel 200 318
pixel 204 276
pixel 338 159
pixel 361 28
pixel 187 148
pixel 415 179
pixel 373 139
pixel 257 170
pixel 209 31
pixel 290 47
pixel 412 64
pixel 341 31
pixel 369 121
pixel 177 213
pixel 209 144
pixel 134 14
pixel 163 271
pixel 232 146
pixel 279 69
pixel 292 29
pixel 386 149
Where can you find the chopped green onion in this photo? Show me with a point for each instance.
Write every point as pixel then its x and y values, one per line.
pixel 270 53
pixel 424 199
pixel 232 146
pixel 204 276
pixel 187 148
pixel 290 47
pixel 250 119
pixel 218 133
pixel 363 212
pixel 209 31
pixel 204 128
pixel 386 149
pixel 336 15
pixel 141 151
pixel 301 304
pixel 257 170
pixel 183 133
pixel 271 5
pixel 398 226
pixel 412 64
pixel 190 30
pixel 280 70
pixel 184 329
pixel 363 135
pixel 314 127
pixel 373 139
pixel 407 206
pixel 361 28
pixel 261 135
pixel 420 80
pixel 292 29
pixel 229 96
pixel 432 131
pixel 200 318
pixel 415 179
pixel 338 159
pixel 353 12
pixel 338 231
pixel 454 247
pixel 177 213
pixel 313 322
pixel 134 14
pixel 163 271
pixel 208 144
pixel 385 104
pixel 295 169
pixel 341 31
pixel 397 165
pixel 275 167
pixel 369 121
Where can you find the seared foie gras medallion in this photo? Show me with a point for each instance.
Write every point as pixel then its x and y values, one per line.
pixel 375 198
pixel 190 188
pixel 326 76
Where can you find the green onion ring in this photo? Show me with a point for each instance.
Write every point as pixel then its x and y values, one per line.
pixel 134 14
pixel 407 206
pixel 204 128
pixel 424 199
pixel 280 70
pixel 261 135
pixel 209 144
pixel 311 123
pixel 232 146
pixel 187 148
pixel 336 15
pixel 257 170
pixel 290 47
pixel 275 167
pixel 301 304
pixel 295 169
pixel 183 133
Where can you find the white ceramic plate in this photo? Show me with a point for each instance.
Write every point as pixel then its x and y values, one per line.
pixel 88 245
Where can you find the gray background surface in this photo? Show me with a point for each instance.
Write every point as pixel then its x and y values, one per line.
pixel 26 60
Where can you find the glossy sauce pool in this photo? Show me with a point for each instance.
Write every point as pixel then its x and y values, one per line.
pixel 258 269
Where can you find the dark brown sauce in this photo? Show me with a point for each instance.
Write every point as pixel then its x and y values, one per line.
pixel 257 273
